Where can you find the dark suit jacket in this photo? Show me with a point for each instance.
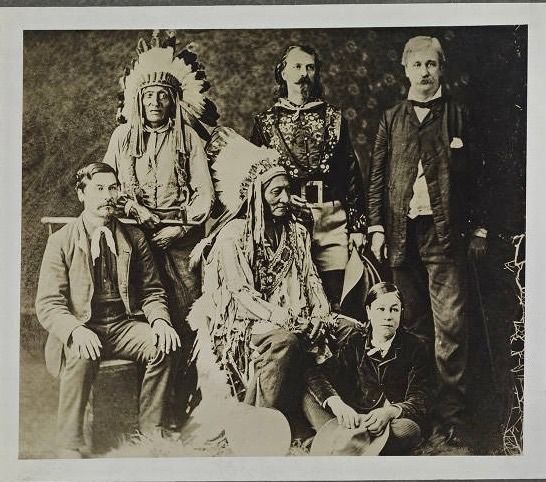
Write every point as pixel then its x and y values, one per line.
pixel 365 381
pixel 450 170
pixel 65 287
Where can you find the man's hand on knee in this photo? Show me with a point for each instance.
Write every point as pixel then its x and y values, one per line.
pixel 85 343
pixel 376 420
pixel 167 235
pixel 165 337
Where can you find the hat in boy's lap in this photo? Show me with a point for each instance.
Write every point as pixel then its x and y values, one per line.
pixel 335 439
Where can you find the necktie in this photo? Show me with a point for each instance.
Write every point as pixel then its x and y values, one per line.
pixel 428 104
pixel 95 242
pixel 381 348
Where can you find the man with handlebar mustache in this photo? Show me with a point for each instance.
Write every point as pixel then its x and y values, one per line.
pixel 424 206
pixel 99 295
pixel 315 147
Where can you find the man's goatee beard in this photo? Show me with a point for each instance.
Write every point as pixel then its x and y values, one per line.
pixel 305 90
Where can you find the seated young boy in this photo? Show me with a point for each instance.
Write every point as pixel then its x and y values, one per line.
pixel 379 376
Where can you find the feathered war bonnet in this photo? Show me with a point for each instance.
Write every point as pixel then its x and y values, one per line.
pixel 240 171
pixel 184 77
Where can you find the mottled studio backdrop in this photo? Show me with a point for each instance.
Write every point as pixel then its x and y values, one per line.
pixel 70 87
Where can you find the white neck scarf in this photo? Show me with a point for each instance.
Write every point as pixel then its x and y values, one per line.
pixel 95 242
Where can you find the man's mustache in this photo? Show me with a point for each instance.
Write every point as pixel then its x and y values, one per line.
pixel 110 204
pixel 304 80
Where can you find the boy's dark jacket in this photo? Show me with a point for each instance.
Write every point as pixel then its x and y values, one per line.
pixel 403 376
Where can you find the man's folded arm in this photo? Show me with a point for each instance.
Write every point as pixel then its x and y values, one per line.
pixel 239 282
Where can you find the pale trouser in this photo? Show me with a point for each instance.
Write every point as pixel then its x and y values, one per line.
pixel 127 339
pixel 329 246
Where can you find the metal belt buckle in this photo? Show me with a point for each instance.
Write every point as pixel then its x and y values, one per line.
pixel 309 189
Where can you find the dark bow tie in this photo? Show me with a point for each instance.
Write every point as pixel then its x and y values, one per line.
pixel 429 104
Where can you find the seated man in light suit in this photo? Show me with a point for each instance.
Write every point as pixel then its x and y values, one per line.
pixel 99 294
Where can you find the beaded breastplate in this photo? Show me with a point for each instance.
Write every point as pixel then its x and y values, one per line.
pixel 271 268
pixel 306 139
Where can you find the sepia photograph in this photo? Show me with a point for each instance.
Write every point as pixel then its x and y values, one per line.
pixel 273 242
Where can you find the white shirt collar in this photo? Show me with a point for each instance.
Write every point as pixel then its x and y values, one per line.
pixel 383 348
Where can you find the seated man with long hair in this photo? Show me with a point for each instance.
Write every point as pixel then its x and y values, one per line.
pixel 263 311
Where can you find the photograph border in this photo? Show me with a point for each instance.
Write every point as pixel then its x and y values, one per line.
pixel 13 21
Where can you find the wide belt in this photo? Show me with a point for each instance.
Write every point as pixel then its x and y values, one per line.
pixel 314 192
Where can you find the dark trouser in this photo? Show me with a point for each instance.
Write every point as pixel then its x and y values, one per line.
pixel 332 282
pixel 183 287
pixel 277 371
pixel 126 339
pixel 405 434
pixel 279 365
pixel 433 287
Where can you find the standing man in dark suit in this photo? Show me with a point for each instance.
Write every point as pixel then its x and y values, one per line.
pixel 423 206
pixel 99 294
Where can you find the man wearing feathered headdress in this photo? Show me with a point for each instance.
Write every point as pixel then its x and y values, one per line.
pixel 315 146
pixel 263 310
pixel 159 158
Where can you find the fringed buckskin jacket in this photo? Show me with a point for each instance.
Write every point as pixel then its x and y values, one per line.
pixel 239 291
